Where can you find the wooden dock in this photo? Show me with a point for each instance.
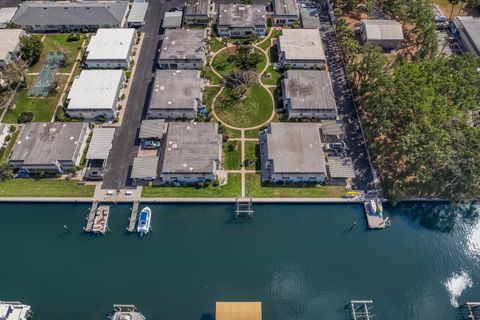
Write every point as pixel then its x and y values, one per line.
pixel 133 217
pixel 244 208
pixel 91 216
pixel 361 310
pixel 373 221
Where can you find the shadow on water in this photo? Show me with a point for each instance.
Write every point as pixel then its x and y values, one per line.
pixel 434 216
pixel 238 220
pixel 207 316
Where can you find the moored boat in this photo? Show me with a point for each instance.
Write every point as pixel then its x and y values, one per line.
pixel 372 207
pixel 143 226
pixel 379 208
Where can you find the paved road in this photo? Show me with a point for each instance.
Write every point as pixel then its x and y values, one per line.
pixel 9 3
pixel 126 142
pixel 346 107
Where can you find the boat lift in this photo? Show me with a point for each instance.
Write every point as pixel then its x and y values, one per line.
pixel 244 208
pixel 360 310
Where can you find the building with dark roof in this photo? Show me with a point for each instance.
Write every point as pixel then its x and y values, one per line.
pixel 308 94
pixel 192 152
pixel 197 12
pixel 387 34
pixel 240 20
pixel 292 152
pixel 176 94
pixel 182 49
pixel 467 32
pixel 52 147
pixel 65 16
pixel 285 12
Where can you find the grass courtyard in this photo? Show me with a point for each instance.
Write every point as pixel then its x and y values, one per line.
pixel 252 155
pixel 44 188
pixel 230 190
pixel 232 152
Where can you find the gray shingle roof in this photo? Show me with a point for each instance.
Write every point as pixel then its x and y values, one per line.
pixel 144 168
pixel 241 15
pixel 340 167
pixel 383 29
pixel 295 148
pixel 285 8
pixel 191 148
pixel 154 128
pixel 71 13
pixel 309 89
pixel 100 144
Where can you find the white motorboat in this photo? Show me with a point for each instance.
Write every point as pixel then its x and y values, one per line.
pixel 379 208
pixel 143 226
pixel 372 207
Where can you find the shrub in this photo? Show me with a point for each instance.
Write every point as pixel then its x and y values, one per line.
pixel 100 119
pixel 73 37
pixel 128 74
pixel 8 138
pixel 25 117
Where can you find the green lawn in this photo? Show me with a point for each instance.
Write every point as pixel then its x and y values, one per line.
pixel 215 44
pixel 6 152
pixel 43 108
pixel 232 133
pixel 230 190
pixel 225 67
pixel 44 188
pixel 52 43
pixel 253 109
pixel 232 152
pixel 252 133
pixel 268 42
pixel 208 95
pixel 255 188
pixel 274 78
pixel 252 155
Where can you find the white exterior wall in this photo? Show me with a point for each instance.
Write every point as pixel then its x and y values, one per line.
pixel 178 64
pixel 284 20
pixel 3 135
pixel 187 178
pixel 171 114
pixel 325 114
pixel 305 177
pixel 108 64
pixel 226 31
pixel 6 60
pixel 92 114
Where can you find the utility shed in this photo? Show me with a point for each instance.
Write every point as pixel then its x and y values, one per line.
pixel 100 144
pixel 292 152
pixel 332 130
pixel 95 93
pixel 6 15
pixel 110 49
pixel 153 129
pixel 467 32
pixel 285 12
pixel 176 94
pixel 136 17
pixel 53 147
pixel 340 169
pixel 238 311
pixel 197 12
pixel 67 16
pixel 308 94
pixel 145 168
pixel 182 49
pixel 172 20
pixel 192 152
pixel 301 49
pixel 387 34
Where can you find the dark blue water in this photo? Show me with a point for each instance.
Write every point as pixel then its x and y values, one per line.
pixel 299 260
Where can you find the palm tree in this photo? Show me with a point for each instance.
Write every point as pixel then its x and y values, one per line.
pixel 453 3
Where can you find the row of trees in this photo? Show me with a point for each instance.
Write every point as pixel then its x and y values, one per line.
pixel 422 121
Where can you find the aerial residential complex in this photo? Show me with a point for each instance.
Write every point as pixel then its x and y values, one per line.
pixel 239 20
pixel 182 49
pixel 110 49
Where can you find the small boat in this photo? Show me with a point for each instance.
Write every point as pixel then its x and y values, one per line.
pixel 379 208
pixel 372 207
pixel 143 226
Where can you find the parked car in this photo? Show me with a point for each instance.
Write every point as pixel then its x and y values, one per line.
pixel 336 146
pixel 94 174
pixel 151 144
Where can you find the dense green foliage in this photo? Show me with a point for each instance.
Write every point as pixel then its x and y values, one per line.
pixel 422 121
pixel 31 48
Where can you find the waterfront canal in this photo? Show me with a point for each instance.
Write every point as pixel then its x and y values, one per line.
pixel 299 260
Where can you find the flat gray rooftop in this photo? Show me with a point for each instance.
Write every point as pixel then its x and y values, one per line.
pixel 241 15
pixel 137 12
pixel 175 89
pixel 144 167
pixel 197 7
pixel 183 44
pixel 191 147
pixel 45 143
pixel 153 128
pixel 310 19
pixel 9 40
pixel 340 167
pixel 6 14
pixel 295 148
pixel 309 89
pixel 285 8
pixel 71 13
pixel 301 44
pixel 173 19
pixel 471 27
pixel 383 29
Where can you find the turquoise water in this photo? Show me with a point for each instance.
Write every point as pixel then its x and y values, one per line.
pixel 299 260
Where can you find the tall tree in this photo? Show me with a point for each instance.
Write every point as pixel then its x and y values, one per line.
pixel 31 47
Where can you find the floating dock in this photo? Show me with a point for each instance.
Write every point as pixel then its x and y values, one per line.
pixel 375 221
pixel 14 310
pixel 125 311
pixel 133 217
pixel 97 220
pixel 360 310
